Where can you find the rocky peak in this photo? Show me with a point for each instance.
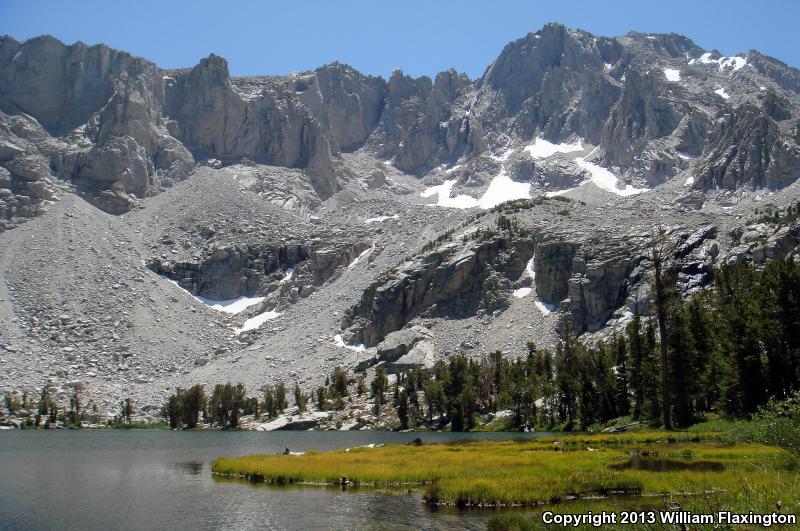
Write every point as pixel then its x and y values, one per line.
pixel 523 65
pixel 349 103
pixel 210 71
pixel 651 104
pixel 668 44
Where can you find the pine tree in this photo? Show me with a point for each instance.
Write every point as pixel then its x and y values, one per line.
pixel 44 401
pixel 705 385
pixel 172 411
pixel 742 326
pixel 662 300
pixel 636 352
pixel 621 398
pixel 379 385
pixel 651 370
pixel 191 404
pixel 126 410
pixel 567 373
pixel 280 398
pixel 340 382
pixel 682 354
pixel 402 409
pixel 321 398
pixel 300 399
pixel 269 406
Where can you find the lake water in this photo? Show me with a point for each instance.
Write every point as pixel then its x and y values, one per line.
pixel 156 479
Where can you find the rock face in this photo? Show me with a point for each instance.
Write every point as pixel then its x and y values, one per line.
pixel 752 147
pixel 552 264
pixel 454 280
pixel 259 122
pixel 94 116
pixel 653 106
pixel 225 273
pixel 589 280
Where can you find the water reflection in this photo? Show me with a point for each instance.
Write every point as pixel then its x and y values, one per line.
pixel 192 468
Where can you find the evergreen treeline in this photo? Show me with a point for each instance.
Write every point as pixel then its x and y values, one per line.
pixel 46 413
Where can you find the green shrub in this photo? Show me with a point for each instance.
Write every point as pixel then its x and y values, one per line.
pixel 777 424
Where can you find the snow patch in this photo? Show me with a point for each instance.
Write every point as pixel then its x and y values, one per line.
pixel 522 292
pixel 442 192
pixel 732 62
pixel 257 321
pixel 722 93
pixel 233 306
pixel 689 181
pixel 544 308
pixel 672 75
pixel 606 180
pixel 364 253
pixel 380 218
pixel 339 342
pixel 542 149
pixel 558 192
pixel 504 157
pixel 502 189
pixel 724 63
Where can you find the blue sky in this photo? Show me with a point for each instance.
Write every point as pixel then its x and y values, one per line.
pixel 420 37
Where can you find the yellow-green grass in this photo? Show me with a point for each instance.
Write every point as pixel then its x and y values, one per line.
pixel 507 473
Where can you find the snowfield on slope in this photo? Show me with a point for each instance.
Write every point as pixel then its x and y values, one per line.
pixel 542 149
pixel 672 75
pixel 257 321
pixel 605 180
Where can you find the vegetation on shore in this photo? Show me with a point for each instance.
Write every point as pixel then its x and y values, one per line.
pixel 544 470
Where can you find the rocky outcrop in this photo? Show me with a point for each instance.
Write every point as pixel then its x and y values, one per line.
pixel 259 121
pixel 228 272
pixel 762 242
pixel 25 182
pixel 455 281
pixel 61 86
pixel 399 343
pixel 99 111
pixel 751 148
pixel 592 281
pixel 349 103
pixel 552 265
pixel 420 122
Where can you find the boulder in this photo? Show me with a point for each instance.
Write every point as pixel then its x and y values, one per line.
pixel 401 342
